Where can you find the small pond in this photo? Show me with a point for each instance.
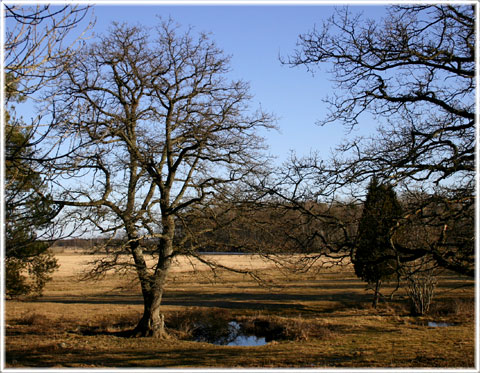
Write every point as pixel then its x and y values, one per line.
pixel 233 334
pixel 240 339
pixel 434 324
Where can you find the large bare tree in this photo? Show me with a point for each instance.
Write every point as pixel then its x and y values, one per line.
pixel 412 73
pixel 158 131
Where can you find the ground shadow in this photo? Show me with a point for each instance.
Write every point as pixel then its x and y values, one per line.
pixel 184 356
pixel 128 333
pixel 231 300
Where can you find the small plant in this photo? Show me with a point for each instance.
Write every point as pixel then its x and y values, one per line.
pixel 420 289
pixel 32 319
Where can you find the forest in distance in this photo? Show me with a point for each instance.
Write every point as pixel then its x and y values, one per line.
pixel 141 145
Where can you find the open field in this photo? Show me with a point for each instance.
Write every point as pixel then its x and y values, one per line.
pixel 327 315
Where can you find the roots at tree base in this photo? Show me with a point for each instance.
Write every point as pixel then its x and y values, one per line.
pixel 150 327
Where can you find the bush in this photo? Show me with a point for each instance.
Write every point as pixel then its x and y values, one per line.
pixel 420 289
pixel 281 328
pixel 28 276
pixel 202 325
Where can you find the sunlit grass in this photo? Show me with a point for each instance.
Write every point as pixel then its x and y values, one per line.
pixel 326 317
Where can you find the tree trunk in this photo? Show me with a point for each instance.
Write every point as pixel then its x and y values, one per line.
pixel 152 322
pixel 377 294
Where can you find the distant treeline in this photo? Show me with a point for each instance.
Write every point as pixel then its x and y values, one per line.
pixel 104 244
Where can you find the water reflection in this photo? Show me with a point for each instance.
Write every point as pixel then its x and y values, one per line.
pixel 434 324
pixel 241 339
pixel 251 340
pixel 231 334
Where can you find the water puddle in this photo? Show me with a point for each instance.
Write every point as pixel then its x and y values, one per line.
pixel 434 324
pixel 240 339
pixel 232 335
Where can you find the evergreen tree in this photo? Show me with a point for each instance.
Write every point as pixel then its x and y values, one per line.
pixel 28 263
pixel 37 37
pixel 374 258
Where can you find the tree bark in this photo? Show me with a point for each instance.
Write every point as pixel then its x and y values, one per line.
pixel 152 322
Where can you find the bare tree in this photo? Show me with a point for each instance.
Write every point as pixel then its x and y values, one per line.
pixel 35 39
pixel 158 131
pixel 414 74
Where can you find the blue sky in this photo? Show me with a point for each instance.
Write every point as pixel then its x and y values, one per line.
pixel 255 37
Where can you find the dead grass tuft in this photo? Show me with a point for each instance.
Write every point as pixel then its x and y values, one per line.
pixel 458 307
pixel 196 323
pixel 283 328
pixel 38 323
pixel 119 322
pixel 31 319
pixel 110 324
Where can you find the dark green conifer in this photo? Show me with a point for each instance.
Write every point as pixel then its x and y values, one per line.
pixel 28 262
pixel 374 258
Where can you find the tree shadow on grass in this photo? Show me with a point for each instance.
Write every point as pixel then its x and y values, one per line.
pixel 189 356
pixel 95 331
pixel 158 356
pixel 231 300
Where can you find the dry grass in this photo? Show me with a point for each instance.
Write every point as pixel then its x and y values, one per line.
pixel 325 321
pixel 74 263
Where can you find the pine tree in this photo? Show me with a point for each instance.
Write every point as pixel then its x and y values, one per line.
pixel 28 263
pixel 374 258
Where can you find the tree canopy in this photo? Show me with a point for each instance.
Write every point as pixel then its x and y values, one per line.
pixel 28 263
pixel 412 73
pixel 157 132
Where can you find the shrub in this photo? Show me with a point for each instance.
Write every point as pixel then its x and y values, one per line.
pixel 420 289
pixel 281 328
pixel 28 276
pixel 203 325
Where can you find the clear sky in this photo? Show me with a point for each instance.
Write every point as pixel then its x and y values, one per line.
pixel 255 36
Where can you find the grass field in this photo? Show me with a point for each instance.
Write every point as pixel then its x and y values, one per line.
pixel 326 316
